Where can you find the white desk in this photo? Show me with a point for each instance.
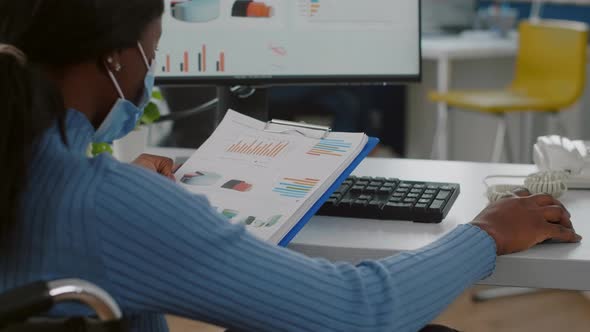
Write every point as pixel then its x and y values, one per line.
pixel 560 266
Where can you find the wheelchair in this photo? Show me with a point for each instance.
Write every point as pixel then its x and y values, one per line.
pixel 25 308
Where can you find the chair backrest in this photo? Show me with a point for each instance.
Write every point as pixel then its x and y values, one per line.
pixel 552 60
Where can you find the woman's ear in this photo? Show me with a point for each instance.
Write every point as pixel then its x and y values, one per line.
pixel 112 62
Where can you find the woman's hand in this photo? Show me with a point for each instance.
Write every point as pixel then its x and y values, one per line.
pixel 160 165
pixel 519 223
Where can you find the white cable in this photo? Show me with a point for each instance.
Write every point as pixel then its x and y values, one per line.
pixel 552 183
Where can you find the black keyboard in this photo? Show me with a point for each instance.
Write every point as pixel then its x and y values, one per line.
pixel 392 199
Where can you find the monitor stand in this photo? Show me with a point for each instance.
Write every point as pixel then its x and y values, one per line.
pixel 252 102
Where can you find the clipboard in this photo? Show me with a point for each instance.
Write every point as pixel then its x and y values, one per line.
pixel 293 127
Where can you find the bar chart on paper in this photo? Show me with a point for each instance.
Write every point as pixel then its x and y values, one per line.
pixel 330 147
pixel 258 147
pixel 295 188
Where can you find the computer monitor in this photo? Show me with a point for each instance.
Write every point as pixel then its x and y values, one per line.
pixel 270 42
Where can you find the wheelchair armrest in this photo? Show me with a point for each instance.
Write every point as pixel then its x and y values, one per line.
pixel 37 298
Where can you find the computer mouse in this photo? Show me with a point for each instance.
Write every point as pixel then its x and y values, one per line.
pixel 553 241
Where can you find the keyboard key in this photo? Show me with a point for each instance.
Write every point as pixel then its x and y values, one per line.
pixel 375 184
pixel 430 192
pixel 372 189
pixel 399 194
pixel 432 187
pixel 380 179
pixel 419 186
pixel 344 188
pixel 443 195
pixel 336 196
pixel 421 206
pixel 360 203
pixel 405 185
pixel 418 191
pixel 449 188
pixel 389 184
pixel 357 189
pixel 346 201
pixel 428 196
pixel 424 201
pixel 437 204
pixel 398 205
pixel 362 183
pixel 402 190
pixel 365 197
pixel 366 178
pixel 396 199
pixel 331 201
pixel 413 195
pixel 393 209
pixel 386 190
pixel 410 200
pixel 375 204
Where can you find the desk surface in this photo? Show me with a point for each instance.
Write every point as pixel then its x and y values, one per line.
pixel 469 47
pixel 457 47
pixel 562 266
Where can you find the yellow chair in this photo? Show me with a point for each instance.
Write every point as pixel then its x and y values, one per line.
pixel 550 77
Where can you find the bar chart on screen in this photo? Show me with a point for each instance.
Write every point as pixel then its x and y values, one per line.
pixel 197 60
pixel 338 11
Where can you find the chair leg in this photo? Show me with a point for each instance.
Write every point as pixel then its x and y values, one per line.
pixel 508 143
pixel 499 142
pixel 502 292
pixel 440 144
pixel 555 124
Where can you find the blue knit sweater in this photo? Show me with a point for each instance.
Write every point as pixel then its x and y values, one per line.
pixel 160 250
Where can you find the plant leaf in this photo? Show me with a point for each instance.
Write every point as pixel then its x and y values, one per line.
pixel 100 148
pixel 151 114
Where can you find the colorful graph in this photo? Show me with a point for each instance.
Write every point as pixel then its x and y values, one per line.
pixel 314 7
pixel 258 147
pixel 345 11
pixel 194 62
pixel 221 62
pixel 295 188
pixel 330 147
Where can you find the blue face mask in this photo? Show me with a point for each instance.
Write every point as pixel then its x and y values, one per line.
pixel 125 115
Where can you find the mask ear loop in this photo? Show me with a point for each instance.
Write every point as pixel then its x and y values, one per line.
pixel 145 58
pixel 114 80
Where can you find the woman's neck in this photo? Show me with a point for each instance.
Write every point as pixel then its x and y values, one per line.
pixel 82 89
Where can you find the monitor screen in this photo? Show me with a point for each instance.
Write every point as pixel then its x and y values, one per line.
pixel 289 41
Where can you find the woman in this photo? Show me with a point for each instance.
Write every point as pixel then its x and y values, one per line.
pixel 77 71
